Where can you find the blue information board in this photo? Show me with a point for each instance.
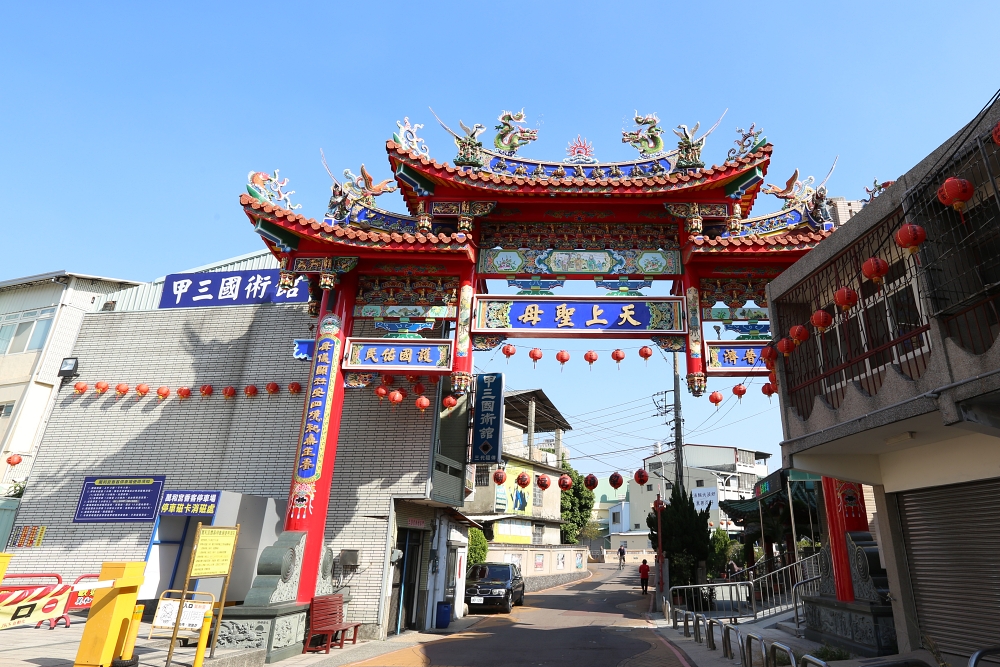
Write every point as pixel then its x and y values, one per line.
pixel 229 288
pixel 189 503
pixel 487 429
pixel 119 499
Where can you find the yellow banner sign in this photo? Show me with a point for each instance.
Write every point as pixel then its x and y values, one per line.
pixel 32 605
pixel 214 549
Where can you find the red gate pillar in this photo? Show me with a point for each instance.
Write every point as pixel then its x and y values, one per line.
pixel 309 499
pixel 461 373
pixel 696 380
pixel 845 512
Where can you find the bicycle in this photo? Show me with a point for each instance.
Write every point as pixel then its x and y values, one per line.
pixel 621 563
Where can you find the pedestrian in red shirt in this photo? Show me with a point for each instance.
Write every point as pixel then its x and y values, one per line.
pixel 644 576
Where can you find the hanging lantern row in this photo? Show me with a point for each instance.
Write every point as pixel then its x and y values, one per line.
pixel 384 390
pixel 562 356
pixel 565 482
pixel 163 393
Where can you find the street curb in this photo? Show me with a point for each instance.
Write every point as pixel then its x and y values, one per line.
pixel 678 651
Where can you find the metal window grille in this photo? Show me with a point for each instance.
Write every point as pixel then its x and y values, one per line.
pixel 536 495
pixel 482 474
pixel 886 327
pixel 960 261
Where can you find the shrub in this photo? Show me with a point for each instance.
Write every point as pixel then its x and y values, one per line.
pixel 478 546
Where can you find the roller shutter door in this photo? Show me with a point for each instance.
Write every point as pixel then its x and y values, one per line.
pixel 953 553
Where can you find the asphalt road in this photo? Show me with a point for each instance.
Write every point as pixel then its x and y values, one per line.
pixel 594 623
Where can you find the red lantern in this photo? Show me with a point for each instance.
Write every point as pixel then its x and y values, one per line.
pixel 141 390
pixel 508 351
pixel 163 392
pixel 272 388
pixel 562 356
pixel 845 297
pixel 955 192
pixel 910 237
pixel 433 379
pixel 101 387
pixel 786 346
pixel 535 355
pixel 14 459
pixel 565 482
pixel 523 480
pixel 772 378
pixel 799 334
pixel 183 392
pixel 387 380
pixel 121 389
pixel 419 389
pixel 412 379
pixel 715 398
pixel 228 392
pixel 499 477
pixel 641 476
pixel 590 481
pixel 618 355
pixel 396 397
pixel 645 352
pixel 403 392
pixel 449 402
pixel 821 320
pixel 590 357
pixel 768 390
pixel 423 403
pixel 875 269
pixel 768 353
pixel 206 390
pixel 294 388
pixel 381 392
pixel 738 391
pixel 543 482
pixel 769 364
pixel 250 390
pixel 616 480
pixel 80 388
pixel 996 134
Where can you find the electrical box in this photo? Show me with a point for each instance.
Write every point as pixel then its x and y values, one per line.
pixel 349 557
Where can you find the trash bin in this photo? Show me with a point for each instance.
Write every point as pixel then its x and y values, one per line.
pixel 443 615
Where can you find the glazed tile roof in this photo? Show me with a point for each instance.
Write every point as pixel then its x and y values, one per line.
pixel 325 232
pixel 460 176
pixel 790 241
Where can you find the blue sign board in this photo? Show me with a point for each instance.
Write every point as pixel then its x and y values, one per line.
pixel 487 429
pixel 229 288
pixel 189 503
pixel 554 316
pixel 119 499
pixel 398 354
pixel 735 358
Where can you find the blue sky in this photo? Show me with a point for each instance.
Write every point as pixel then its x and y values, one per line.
pixel 128 128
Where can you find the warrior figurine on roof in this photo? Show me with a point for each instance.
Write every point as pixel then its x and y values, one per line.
pixel 646 139
pixel 512 136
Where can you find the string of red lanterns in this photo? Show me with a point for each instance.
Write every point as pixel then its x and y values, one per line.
pixel 163 392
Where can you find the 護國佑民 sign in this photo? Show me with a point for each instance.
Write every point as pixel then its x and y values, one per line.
pixel 579 317
pixel 189 503
pixel 229 288
pixel 735 358
pixel 398 354
pixel 119 499
pixel 487 429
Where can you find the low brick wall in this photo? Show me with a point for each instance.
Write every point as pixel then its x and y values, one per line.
pixel 532 584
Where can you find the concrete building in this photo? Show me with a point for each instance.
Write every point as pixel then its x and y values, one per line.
pixel 400 476
pixel 902 392
pixel 711 474
pixel 610 511
pixel 843 209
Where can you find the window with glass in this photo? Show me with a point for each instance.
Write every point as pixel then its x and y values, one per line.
pixel 482 474
pixel 25 331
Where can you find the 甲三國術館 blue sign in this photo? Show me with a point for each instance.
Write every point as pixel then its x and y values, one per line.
pixel 579 317
pixel 229 288
pixel 487 429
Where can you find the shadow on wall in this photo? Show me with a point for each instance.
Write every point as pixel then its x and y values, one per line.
pixel 242 444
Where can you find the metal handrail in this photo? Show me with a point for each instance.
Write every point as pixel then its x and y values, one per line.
pixel 751 636
pixel 687 628
pixel 710 633
pixel 981 653
pixel 699 619
pixel 29 575
pixel 795 598
pixel 674 612
pixel 738 595
pixel 727 645
pixel 810 660
pixel 778 646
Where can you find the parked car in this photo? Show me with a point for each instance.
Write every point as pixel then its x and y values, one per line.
pixel 494 584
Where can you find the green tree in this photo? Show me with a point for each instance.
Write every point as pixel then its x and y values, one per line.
pixel 718 555
pixel 478 546
pixel 685 536
pixel 592 531
pixel 576 505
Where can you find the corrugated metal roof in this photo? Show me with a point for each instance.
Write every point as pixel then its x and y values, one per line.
pixel 146 296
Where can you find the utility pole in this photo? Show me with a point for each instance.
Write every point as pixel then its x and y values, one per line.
pixel 663 409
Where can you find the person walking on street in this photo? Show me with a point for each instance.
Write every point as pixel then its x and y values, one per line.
pixel 644 576
pixel 621 557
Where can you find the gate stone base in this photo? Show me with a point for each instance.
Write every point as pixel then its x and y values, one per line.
pixel 863 628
